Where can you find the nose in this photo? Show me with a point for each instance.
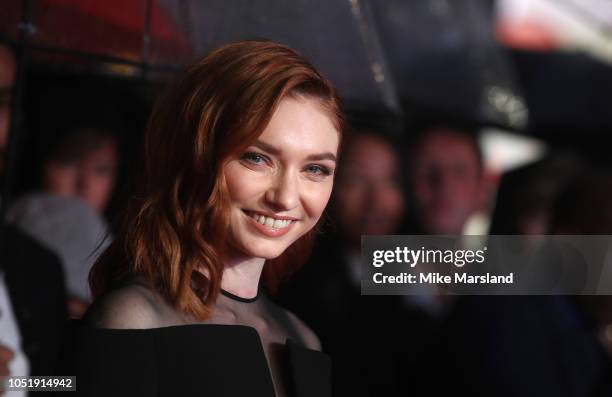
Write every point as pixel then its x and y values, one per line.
pixel 283 195
pixel 83 182
pixel 440 180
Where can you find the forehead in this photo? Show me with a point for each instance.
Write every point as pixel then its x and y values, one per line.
pixel 370 151
pixel 447 144
pixel 301 125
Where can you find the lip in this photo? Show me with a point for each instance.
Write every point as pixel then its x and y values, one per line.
pixel 268 231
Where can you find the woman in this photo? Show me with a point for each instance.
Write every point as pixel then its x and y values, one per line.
pixel 238 168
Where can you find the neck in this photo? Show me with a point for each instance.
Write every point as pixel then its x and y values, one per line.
pixel 241 276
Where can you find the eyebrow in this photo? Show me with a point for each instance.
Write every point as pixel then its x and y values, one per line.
pixel 313 157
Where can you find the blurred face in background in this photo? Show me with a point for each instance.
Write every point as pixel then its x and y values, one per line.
pixel 7 79
pixel 89 175
pixel 368 196
pixel 447 181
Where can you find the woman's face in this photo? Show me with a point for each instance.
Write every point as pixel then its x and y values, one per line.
pixel 280 185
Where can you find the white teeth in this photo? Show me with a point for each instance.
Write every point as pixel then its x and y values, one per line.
pixel 270 222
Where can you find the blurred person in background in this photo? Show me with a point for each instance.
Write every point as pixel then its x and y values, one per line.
pixel 32 294
pixel 79 156
pixel 446 177
pixel 71 229
pixel 80 146
pixel 369 196
pixel 83 162
pixel 446 188
pixel 526 195
pixel 375 341
pixel 557 345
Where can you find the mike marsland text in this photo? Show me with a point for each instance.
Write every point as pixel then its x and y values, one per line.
pixel 438 278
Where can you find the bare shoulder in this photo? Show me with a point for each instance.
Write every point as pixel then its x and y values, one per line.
pixel 310 339
pixel 130 307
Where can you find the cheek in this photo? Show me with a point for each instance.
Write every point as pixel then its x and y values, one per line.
pixel 467 192
pixel 349 202
pixel 315 199
pixel 61 179
pixel 100 185
pixel 352 194
pixel 395 203
pixel 422 191
pixel 242 184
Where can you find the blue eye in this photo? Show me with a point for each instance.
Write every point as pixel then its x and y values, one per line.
pixel 318 170
pixel 254 158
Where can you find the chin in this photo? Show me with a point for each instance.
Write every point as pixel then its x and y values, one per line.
pixel 266 254
pixel 266 249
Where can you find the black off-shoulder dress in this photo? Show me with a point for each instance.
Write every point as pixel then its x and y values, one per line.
pixel 187 360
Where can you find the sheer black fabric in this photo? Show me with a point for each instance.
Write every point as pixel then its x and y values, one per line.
pixel 133 343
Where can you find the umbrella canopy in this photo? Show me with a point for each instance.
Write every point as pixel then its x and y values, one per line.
pixel 396 56
pixel 374 52
pixel 132 30
pixel 337 36
pixel 380 54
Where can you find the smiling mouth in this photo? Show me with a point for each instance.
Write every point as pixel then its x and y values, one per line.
pixel 270 222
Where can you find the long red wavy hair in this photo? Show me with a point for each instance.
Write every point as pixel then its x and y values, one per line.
pixel 175 226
